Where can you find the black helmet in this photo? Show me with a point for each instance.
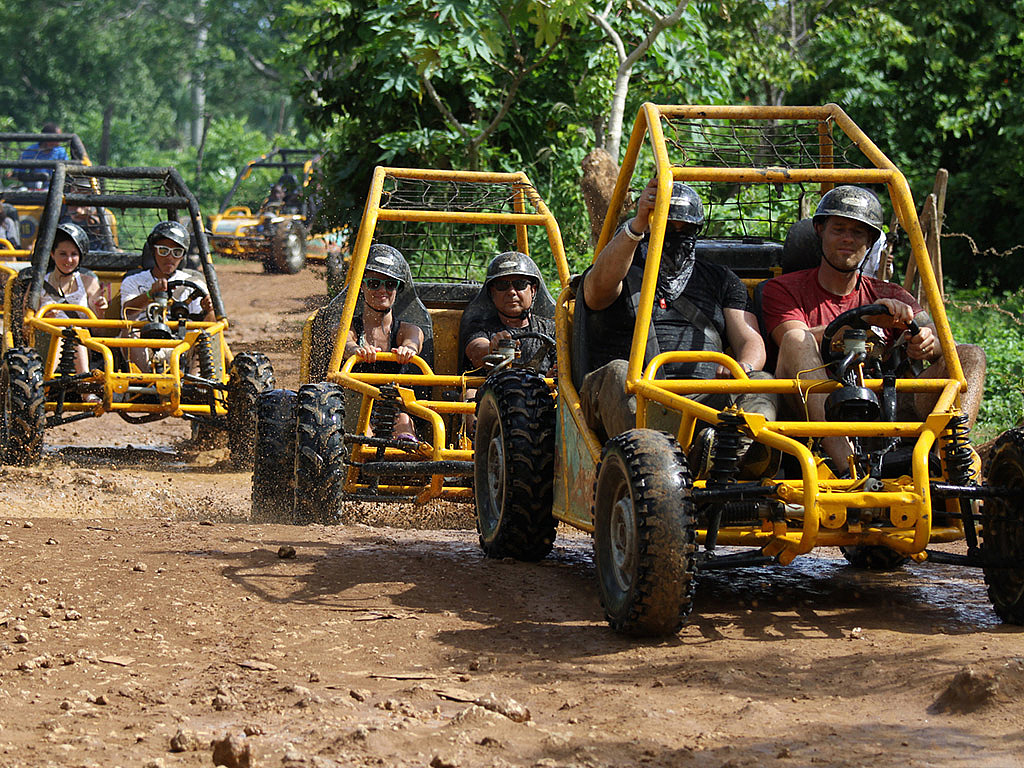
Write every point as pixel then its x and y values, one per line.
pixel 387 261
pixel 685 205
pixel 173 231
pixel 71 231
pixel 512 263
pixel 851 202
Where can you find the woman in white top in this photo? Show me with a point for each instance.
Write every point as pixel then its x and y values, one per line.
pixel 66 284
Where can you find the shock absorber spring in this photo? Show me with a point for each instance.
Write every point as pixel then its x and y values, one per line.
pixel 724 466
pixel 956 450
pixel 385 409
pixel 68 350
pixel 204 352
pixel 728 444
pixel 957 453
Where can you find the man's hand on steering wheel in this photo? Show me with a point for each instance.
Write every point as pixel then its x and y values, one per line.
pixel 922 343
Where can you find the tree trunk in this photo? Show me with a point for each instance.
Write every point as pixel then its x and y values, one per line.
pixel 199 76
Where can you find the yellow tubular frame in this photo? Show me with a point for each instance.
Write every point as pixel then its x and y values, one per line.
pixel 116 382
pixel 339 369
pixel 824 498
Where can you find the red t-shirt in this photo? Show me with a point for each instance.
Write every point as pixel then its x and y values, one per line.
pixel 799 296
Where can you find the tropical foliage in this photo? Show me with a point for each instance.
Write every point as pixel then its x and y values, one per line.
pixel 534 85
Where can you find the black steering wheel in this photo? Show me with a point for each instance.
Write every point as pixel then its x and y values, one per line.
pixel 178 307
pixel 855 318
pixel 546 343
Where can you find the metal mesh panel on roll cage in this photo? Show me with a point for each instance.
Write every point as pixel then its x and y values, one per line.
pixel 450 251
pixel 757 209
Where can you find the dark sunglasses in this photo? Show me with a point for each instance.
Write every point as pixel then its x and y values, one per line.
pixel 519 283
pixel 373 283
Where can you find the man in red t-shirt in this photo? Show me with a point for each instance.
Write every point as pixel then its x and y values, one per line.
pixel 798 306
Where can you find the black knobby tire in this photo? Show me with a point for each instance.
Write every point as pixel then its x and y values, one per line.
pixel 320 453
pixel 287 249
pixel 514 465
pixel 273 472
pixel 19 290
pixel 337 267
pixel 250 373
pixel 24 407
pixel 873 557
pixel 645 530
pixel 1003 531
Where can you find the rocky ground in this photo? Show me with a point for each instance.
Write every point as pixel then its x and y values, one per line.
pixel 145 622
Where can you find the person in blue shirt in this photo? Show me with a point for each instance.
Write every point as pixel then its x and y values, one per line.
pixel 38 178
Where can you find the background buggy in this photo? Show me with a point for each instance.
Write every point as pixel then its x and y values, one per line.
pixel 192 373
pixel 281 234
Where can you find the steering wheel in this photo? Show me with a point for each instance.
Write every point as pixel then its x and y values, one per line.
pixel 178 308
pixel 855 319
pixel 497 360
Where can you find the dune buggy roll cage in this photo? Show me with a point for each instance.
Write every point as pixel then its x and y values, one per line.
pixel 824 497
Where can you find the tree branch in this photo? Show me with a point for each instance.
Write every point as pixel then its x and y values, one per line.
pixel 446 113
pixel 261 66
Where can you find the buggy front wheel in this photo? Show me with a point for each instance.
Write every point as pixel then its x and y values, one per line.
pixel 1002 544
pixel 273 471
pixel 250 373
pixel 513 465
pixel 644 533
pixel 320 453
pixel 24 407
pixel 287 249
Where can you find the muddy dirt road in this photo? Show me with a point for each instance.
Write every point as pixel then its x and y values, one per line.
pixel 142 617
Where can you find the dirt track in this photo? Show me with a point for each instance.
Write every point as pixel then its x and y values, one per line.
pixel 136 602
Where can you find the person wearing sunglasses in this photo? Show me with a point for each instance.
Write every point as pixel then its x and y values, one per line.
pixel 508 301
pixel 164 251
pixel 377 329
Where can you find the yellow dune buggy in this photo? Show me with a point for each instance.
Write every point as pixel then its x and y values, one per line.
pixel 282 230
pixel 657 519
pixel 181 366
pixel 333 440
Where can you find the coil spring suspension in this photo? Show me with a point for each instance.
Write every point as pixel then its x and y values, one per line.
pixel 726 462
pixel 204 352
pixel 384 411
pixel 956 449
pixel 68 350
pixel 724 467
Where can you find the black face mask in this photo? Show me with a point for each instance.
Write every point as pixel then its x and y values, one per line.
pixel 676 263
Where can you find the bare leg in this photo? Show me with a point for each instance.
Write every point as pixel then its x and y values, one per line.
pixel 974 362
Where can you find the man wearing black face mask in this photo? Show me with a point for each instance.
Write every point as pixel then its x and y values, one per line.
pixel 697 306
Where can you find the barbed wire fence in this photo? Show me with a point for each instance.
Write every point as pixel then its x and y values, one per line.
pixel 986 253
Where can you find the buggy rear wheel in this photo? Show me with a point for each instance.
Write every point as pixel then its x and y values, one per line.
pixel 320 453
pixel 873 557
pixel 644 533
pixel 273 472
pixel 250 373
pixel 287 249
pixel 514 465
pixel 1003 531
pixel 24 407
